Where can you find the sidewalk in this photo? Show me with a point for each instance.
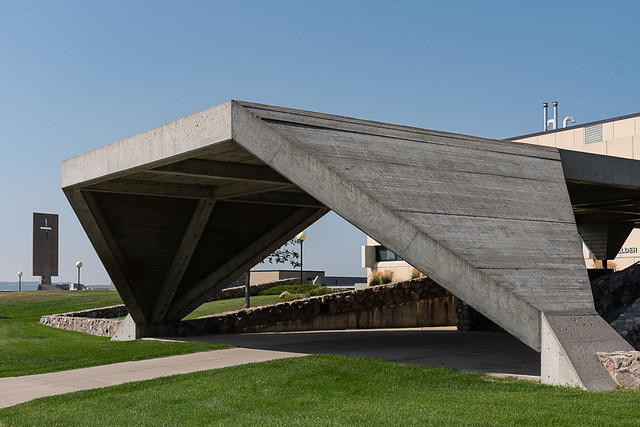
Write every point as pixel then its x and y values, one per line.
pixel 486 351
pixel 14 390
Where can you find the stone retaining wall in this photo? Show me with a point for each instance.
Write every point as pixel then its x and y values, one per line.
pixel 93 326
pixel 623 366
pixel 418 302
pixel 101 322
pixel 95 321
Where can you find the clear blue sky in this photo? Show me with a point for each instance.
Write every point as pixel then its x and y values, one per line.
pixel 76 75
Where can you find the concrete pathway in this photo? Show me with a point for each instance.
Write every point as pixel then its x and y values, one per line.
pixel 14 390
pixel 493 352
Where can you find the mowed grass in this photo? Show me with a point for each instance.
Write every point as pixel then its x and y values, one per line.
pixel 27 347
pixel 330 390
pixel 232 305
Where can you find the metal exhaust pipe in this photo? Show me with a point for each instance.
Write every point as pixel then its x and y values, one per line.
pixel 555 114
pixel 545 115
pixel 566 121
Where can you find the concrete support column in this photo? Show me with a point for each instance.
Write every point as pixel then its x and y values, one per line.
pixel 129 330
pixel 569 344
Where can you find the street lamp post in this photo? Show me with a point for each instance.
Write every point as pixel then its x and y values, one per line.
pixel 247 293
pixel 20 281
pixel 301 236
pixel 79 265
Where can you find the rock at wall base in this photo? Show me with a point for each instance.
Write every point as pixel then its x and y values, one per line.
pixel 623 366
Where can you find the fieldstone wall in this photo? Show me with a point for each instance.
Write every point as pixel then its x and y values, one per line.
pixel 95 321
pixel 418 302
pixel 93 326
pixel 615 292
pixel 101 322
pixel 623 366
pixel 633 335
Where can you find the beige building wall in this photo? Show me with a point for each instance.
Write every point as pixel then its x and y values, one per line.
pixel 257 277
pixel 401 269
pixel 615 137
pixel 619 138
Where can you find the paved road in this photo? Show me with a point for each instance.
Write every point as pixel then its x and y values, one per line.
pixel 492 352
pixel 486 351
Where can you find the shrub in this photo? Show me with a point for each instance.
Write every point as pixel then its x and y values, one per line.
pixel 381 277
pixel 610 264
pixel 415 273
pixel 294 289
pixel 298 291
pixel 375 279
pixel 386 277
pixel 320 290
pixel 288 296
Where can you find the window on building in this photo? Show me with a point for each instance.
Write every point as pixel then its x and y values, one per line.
pixel 384 254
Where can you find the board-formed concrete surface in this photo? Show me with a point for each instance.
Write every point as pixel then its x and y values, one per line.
pixel 178 212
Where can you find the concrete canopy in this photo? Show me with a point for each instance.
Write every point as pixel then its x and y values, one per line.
pixel 178 212
pixel 605 195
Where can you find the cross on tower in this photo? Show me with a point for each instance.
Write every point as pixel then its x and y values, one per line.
pixel 46 228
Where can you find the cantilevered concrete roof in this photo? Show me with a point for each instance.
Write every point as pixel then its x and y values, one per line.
pixel 178 212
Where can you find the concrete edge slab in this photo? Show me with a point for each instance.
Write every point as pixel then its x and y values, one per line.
pixel 162 145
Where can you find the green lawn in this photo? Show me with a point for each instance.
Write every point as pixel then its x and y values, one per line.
pixel 231 305
pixel 27 347
pixel 330 390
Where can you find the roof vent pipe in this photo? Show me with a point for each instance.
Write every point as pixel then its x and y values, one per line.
pixel 545 114
pixel 555 114
pixel 566 121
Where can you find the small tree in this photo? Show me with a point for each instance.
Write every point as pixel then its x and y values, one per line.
pixel 285 255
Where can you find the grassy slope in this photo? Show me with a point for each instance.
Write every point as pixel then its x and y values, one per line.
pixel 231 305
pixel 27 347
pixel 330 390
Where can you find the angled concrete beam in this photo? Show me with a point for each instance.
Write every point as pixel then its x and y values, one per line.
pixel 590 168
pixel 606 217
pixel 222 170
pixel 243 189
pixel 241 262
pixel 375 218
pixel 183 256
pixel 280 198
pixel 97 230
pixel 145 188
pixel 595 194
pixel 623 205
pixel 336 168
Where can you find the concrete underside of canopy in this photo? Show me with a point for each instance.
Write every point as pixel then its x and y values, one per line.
pixel 180 211
pixel 605 196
